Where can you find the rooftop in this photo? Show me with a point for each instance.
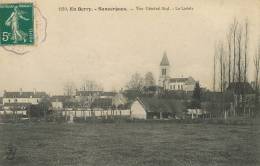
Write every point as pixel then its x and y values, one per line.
pixel 187 80
pixel 109 94
pixel 240 88
pixel 24 94
pixel 104 103
pixel 161 105
pixel 60 98
pixel 165 61
pixel 88 93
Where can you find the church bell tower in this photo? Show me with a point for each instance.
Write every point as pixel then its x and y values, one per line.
pixel 164 71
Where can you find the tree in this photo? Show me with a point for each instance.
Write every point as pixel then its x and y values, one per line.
pixel 220 52
pixel 69 88
pixel 245 50
pixel 136 82
pixel 239 49
pixel 229 38
pixel 234 31
pixel 196 97
pixel 89 85
pixel 214 68
pixel 224 81
pixel 40 110
pixel 222 64
pixel 257 69
pixel 149 79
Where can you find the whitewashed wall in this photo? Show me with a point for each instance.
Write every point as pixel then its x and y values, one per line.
pixel 137 111
pixel 97 113
pixel 21 112
pixel 22 100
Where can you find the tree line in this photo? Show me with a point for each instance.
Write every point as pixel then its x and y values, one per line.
pixel 231 59
pixel 231 56
pixel 231 62
pixel 137 81
pixel 69 87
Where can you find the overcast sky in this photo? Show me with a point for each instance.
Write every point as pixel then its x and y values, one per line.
pixel 110 46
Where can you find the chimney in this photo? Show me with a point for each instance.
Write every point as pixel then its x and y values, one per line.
pixel 34 91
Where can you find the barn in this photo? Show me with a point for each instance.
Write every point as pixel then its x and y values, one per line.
pixel 156 108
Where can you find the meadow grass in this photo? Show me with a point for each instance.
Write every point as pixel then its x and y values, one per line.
pixel 130 144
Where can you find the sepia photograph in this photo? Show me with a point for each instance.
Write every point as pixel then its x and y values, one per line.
pixel 129 83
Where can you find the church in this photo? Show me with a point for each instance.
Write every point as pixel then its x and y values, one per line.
pixel 186 84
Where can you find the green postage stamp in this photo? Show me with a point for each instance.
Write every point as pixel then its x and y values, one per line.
pixel 16 24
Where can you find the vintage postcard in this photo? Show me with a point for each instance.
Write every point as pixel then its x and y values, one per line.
pixel 129 83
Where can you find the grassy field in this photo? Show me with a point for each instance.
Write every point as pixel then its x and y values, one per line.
pixel 133 144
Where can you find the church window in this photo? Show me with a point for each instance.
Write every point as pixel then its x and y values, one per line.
pixel 163 72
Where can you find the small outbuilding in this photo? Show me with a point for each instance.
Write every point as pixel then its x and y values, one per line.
pixel 156 108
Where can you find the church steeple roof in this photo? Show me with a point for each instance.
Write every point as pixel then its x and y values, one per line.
pixel 165 61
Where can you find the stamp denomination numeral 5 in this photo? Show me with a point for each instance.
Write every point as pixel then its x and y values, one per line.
pixel 5 36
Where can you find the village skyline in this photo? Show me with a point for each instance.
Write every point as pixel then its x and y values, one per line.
pixel 79 85
pixel 189 44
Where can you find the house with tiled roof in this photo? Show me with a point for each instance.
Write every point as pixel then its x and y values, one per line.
pixel 243 95
pixel 21 100
pixel 102 103
pixel 240 88
pixel 108 94
pixel 156 108
pixel 181 84
pixel 88 93
pixel 87 97
pixel 174 84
